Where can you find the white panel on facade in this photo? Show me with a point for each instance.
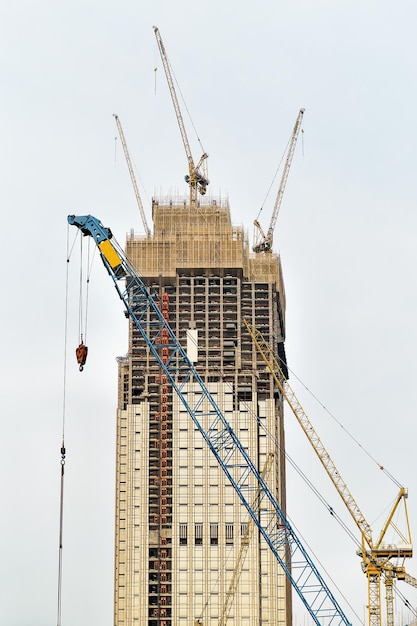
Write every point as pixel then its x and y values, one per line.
pixel 192 344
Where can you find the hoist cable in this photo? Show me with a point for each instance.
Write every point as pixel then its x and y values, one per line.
pixel 87 290
pixel 80 296
pixel 63 451
pixel 404 600
pixel 61 520
pixel 72 247
pixel 356 441
pixel 185 105
pixel 273 179
pixel 155 66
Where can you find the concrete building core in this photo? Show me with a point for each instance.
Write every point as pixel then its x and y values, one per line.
pixel 179 522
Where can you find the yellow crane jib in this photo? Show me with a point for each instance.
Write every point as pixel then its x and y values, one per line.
pixel 379 559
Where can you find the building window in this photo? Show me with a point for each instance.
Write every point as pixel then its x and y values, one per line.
pixel 198 534
pixel 183 534
pixel 229 533
pixel 214 534
pixel 243 528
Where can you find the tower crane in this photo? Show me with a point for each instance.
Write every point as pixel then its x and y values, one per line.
pixel 377 556
pixel 145 311
pixel 196 179
pixel 132 175
pixel 262 242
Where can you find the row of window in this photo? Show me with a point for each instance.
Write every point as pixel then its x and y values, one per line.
pixel 212 534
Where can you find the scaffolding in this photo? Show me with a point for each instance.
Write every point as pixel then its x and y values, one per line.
pixel 203 239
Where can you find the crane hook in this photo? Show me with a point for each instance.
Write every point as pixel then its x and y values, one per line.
pixel 81 354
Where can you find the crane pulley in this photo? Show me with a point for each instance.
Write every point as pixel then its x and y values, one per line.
pixel 196 178
pixel 263 242
pixel 377 556
pixel 145 311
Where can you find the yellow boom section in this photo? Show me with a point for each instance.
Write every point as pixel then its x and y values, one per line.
pixel 110 253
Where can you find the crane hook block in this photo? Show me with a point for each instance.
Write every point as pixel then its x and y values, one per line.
pixel 81 354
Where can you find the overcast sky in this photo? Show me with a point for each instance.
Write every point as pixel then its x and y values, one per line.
pixel 346 233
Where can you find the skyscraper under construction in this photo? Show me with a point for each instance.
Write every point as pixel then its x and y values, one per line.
pixel 183 553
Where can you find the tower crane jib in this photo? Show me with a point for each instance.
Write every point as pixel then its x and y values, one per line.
pixel 196 179
pixel 263 243
pixel 132 175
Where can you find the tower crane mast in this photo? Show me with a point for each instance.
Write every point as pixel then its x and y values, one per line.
pixel 376 556
pixel 145 311
pixel 197 180
pixel 262 242
pixel 132 175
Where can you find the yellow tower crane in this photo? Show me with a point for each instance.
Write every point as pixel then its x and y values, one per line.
pixel 132 175
pixel 379 559
pixel 196 179
pixel 262 242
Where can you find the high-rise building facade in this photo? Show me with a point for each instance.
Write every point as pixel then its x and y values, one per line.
pixel 179 523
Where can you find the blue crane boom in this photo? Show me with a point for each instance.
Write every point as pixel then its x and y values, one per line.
pixel 145 311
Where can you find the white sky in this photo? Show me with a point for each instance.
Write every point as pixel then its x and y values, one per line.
pixel 346 234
